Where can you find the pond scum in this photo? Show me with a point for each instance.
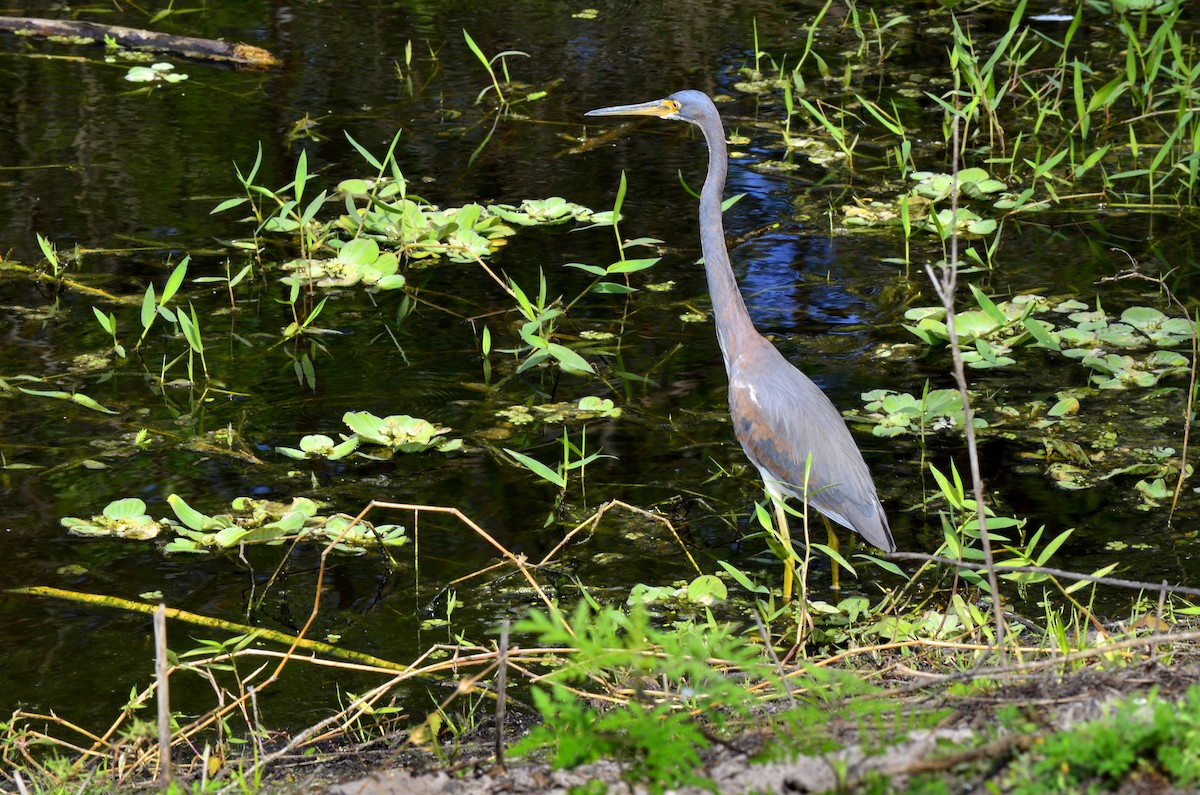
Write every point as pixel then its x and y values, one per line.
pixel 665 682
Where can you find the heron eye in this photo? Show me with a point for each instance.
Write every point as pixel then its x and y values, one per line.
pixel 672 105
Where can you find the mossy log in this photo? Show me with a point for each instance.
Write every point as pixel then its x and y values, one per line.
pixel 134 38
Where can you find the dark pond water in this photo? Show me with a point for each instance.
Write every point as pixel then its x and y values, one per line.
pixel 130 178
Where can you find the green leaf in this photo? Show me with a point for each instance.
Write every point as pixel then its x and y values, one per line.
pixel 886 565
pixel 595 270
pixel 835 556
pixel 741 579
pixel 365 154
pixel 621 186
pixel 952 495
pixel 569 360
pixel 1103 571
pixel 88 403
pixel 187 514
pixel 107 322
pixel 612 288
pixel 707 589
pixel 48 251
pixel 228 204
pixel 989 307
pixel 175 280
pixel 301 175
pixel 1039 332
pixel 475 49
pixel 190 332
pixel 1049 550
pixel 538 468
pixel 148 302
pixel 633 265
pixel 50 393
pixel 128 508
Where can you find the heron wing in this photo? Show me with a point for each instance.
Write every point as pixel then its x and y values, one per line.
pixel 781 418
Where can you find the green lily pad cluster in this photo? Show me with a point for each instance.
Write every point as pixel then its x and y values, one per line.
pixel 973 183
pixel 705 590
pixel 553 210
pixel 156 73
pixel 267 522
pixel 1156 470
pixel 586 408
pixel 1114 371
pixel 931 188
pixel 398 433
pixel 962 220
pixel 125 518
pixel 249 521
pixel 319 445
pixel 996 329
pixel 460 234
pixel 1138 327
pixel 895 413
pixel 873 212
pixel 987 335
pixel 358 261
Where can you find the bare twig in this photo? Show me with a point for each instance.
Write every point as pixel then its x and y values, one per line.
pixel 162 696
pixel 1069 575
pixel 945 286
pixel 501 686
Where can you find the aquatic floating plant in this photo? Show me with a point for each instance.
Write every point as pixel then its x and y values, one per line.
pixel 249 521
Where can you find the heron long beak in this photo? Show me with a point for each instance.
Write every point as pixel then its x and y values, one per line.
pixel 661 108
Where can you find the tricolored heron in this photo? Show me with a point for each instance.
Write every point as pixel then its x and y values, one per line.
pixel 779 415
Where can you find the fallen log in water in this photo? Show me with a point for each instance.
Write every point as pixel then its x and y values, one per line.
pixel 135 38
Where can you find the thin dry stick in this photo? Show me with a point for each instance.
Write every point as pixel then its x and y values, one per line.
pixel 1069 575
pixel 945 287
pixel 162 696
pixel 1036 666
pixel 501 686
pixel 518 561
pixel 594 520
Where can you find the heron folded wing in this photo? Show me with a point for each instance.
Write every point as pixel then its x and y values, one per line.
pixel 781 419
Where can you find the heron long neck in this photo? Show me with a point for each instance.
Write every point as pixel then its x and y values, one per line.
pixel 732 320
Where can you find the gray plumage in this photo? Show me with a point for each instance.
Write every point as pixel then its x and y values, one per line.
pixel 779 415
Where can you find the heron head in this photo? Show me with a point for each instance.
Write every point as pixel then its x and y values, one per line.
pixel 681 106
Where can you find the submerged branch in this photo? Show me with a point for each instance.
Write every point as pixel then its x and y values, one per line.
pixel 136 38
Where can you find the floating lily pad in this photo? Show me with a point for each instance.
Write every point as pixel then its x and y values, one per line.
pixel 964 221
pixel 896 413
pixel 358 537
pixel 268 522
pixel 320 446
pixel 399 432
pixel 126 518
pixel 159 72
pixel 358 261
pixel 586 408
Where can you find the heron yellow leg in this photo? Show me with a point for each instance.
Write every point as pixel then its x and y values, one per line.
pixel 834 544
pixel 785 539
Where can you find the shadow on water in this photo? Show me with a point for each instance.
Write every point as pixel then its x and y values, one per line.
pixel 131 179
